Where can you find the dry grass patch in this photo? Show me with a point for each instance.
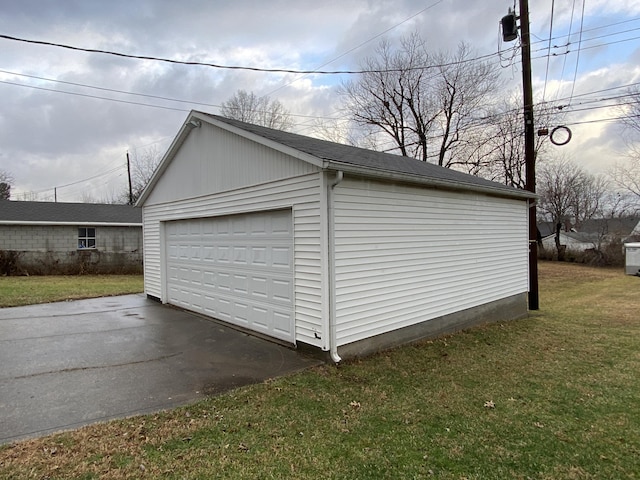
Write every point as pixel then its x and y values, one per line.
pixel 552 396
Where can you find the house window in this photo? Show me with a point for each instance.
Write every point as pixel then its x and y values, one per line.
pixel 86 237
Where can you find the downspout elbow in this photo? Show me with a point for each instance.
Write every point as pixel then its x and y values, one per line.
pixel 338 179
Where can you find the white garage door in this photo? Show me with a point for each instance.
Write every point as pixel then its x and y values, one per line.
pixel 236 268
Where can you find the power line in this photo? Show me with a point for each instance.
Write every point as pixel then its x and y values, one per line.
pixel 362 44
pixel 112 90
pixel 214 105
pixel 128 102
pixel 564 63
pixel 546 74
pixel 109 172
pixel 231 67
pixel 575 73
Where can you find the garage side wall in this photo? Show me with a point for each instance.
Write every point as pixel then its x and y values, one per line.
pixel 406 255
pixel 302 195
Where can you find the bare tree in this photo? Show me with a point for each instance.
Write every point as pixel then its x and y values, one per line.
pixel 626 175
pixel 569 194
pixel 6 180
pixel 250 108
pixel 502 157
pixel 419 100
pixel 629 107
pixel 466 89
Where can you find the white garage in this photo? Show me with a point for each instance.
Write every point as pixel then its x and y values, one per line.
pixel 335 249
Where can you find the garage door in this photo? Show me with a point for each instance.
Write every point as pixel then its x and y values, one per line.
pixel 236 268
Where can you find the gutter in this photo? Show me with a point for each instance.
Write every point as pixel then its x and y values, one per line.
pixel 431 182
pixel 333 343
pixel 69 224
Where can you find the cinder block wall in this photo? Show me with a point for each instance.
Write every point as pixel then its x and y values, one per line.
pixel 54 249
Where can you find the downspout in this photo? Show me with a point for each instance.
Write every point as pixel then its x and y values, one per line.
pixel 333 347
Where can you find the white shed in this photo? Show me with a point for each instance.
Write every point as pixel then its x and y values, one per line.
pixel 335 249
pixel 632 258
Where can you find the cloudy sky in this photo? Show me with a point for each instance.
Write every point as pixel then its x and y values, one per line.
pixel 68 117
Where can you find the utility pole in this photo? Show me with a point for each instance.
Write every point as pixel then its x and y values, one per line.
pixel 509 33
pixel 129 176
pixel 529 152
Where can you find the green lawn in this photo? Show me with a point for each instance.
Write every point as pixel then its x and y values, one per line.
pixel 16 291
pixel 554 396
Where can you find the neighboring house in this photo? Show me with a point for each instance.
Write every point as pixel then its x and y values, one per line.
pixel 574 241
pixel 49 238
pixel 592 234
pixel 333 248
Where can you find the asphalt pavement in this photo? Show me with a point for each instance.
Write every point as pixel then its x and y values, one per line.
pixel 68 364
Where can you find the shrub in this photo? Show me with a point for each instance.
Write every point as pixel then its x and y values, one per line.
pixel 9 262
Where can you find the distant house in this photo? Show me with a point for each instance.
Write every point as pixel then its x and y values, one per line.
pixel 329 247
pixel 50 238
pixel 573 241
pixel 591 234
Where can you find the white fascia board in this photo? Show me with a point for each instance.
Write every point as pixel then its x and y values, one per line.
pixel 430 182
pixel 67 224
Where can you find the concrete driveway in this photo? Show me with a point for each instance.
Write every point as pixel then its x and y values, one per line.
pixel 63 365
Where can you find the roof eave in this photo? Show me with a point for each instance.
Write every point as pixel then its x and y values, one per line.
pixel 67 224
pixel 382 174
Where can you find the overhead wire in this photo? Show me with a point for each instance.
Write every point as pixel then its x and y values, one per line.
pixel 230 67
pixel 189 101
pixel 575 73
pixel 564 63
pixel 194 102
pixel 39 192
pixel 580 47
pixel 360 45
pixel 546 74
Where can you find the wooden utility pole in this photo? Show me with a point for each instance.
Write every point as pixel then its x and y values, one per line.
pixel 129 176
pixel 529 152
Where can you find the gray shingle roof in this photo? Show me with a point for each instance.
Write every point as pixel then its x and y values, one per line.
pixel 81 213
pixel 337 154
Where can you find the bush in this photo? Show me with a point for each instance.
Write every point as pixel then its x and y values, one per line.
pixel 608 255
pixel 9 262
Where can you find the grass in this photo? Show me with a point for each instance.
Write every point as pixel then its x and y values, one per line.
pixel 554 396
pixel 17 291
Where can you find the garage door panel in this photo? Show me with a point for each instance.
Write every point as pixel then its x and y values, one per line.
pixel 281 321
pixel 281 290
pixel 259 256
pixel 281 257
pixel 240 256
pixel 237 268
pixel 240 284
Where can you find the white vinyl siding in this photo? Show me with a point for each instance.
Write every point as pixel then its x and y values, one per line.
pixel 301 195
pixel 404 255
pixel 212 160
